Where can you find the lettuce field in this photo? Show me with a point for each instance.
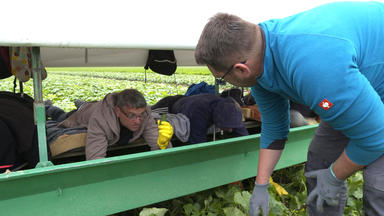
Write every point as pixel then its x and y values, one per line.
pixel 64 85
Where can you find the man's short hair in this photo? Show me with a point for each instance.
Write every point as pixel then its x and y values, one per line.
pixel 131 98
pixel 224 38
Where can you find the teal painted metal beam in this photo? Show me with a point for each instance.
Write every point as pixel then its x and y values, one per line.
pixel 39 108
pixel 115 184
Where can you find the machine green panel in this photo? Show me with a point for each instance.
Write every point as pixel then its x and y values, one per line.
pixel 110 185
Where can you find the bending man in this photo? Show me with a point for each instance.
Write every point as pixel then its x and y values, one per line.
pixel 330 58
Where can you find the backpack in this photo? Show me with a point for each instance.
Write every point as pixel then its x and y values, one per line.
pixel 5 65
pixel 19 141
pixel 236 94
pixel 161 61
pixel 21 63
pixel 200 88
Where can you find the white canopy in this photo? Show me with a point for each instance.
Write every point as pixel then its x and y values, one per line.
pixel 74 25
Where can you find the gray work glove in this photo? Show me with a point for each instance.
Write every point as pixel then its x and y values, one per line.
pixel 259 199
pixel 328 188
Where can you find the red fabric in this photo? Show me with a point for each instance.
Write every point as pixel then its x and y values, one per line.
pixel 6 166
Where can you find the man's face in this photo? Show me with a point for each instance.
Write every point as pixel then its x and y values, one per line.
pixel 131 118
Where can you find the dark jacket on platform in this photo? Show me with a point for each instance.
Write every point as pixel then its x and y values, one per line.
pixel 204 110
pixel 18 132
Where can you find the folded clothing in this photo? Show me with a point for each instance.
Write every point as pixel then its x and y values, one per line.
pixel 61 140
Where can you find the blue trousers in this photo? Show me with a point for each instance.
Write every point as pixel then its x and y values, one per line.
pixel 56 113
pixel 326 146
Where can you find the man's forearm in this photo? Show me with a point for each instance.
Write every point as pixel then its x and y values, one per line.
pixel 267 161
pixel 95 146
pixel 343 167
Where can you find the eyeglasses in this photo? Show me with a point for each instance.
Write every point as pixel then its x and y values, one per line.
pixel 221 79
pixel 133 116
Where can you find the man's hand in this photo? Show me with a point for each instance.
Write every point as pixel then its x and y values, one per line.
pixel 165 133
pixel 259 199
pixel 328 188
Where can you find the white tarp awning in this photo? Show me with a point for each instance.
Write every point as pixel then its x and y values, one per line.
pixel 136 25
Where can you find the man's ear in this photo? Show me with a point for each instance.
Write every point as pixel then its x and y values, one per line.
pixel 117 111
pixel 241 70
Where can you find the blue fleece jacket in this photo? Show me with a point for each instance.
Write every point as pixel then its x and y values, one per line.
pixel 330 58
pixel 204 110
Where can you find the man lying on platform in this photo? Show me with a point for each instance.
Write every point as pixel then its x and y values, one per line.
pixel 120 118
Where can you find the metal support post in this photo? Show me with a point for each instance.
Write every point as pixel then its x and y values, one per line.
pixel 39 108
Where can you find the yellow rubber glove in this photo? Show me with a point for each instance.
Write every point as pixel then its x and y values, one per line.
pixel 279 189
pixel 165 133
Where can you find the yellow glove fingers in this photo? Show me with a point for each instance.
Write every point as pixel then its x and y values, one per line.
pixel 165 133
pixel 162 142
pixel 165 126
pixel 163 146
pixel 166 136
pixel 170 129
pixel 163 123
pixel 279 189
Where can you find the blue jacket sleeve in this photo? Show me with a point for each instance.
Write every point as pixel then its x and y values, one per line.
pixel 274 110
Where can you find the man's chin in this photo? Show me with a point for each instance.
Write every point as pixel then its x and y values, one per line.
pixel 247 85
pixel 134 128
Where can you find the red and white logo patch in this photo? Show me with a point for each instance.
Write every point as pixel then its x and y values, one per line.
pixel 325 104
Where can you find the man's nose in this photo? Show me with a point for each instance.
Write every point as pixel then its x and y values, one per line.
pixel 138 120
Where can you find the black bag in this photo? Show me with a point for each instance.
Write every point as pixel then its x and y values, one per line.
pixel 161 61
pixel 19 141
pixel 236 94
pixel 5 66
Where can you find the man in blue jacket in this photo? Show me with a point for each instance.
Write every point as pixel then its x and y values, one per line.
pixel 330 58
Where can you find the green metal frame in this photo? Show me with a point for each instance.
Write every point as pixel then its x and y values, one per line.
pixel 115 184
pixel 39 108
